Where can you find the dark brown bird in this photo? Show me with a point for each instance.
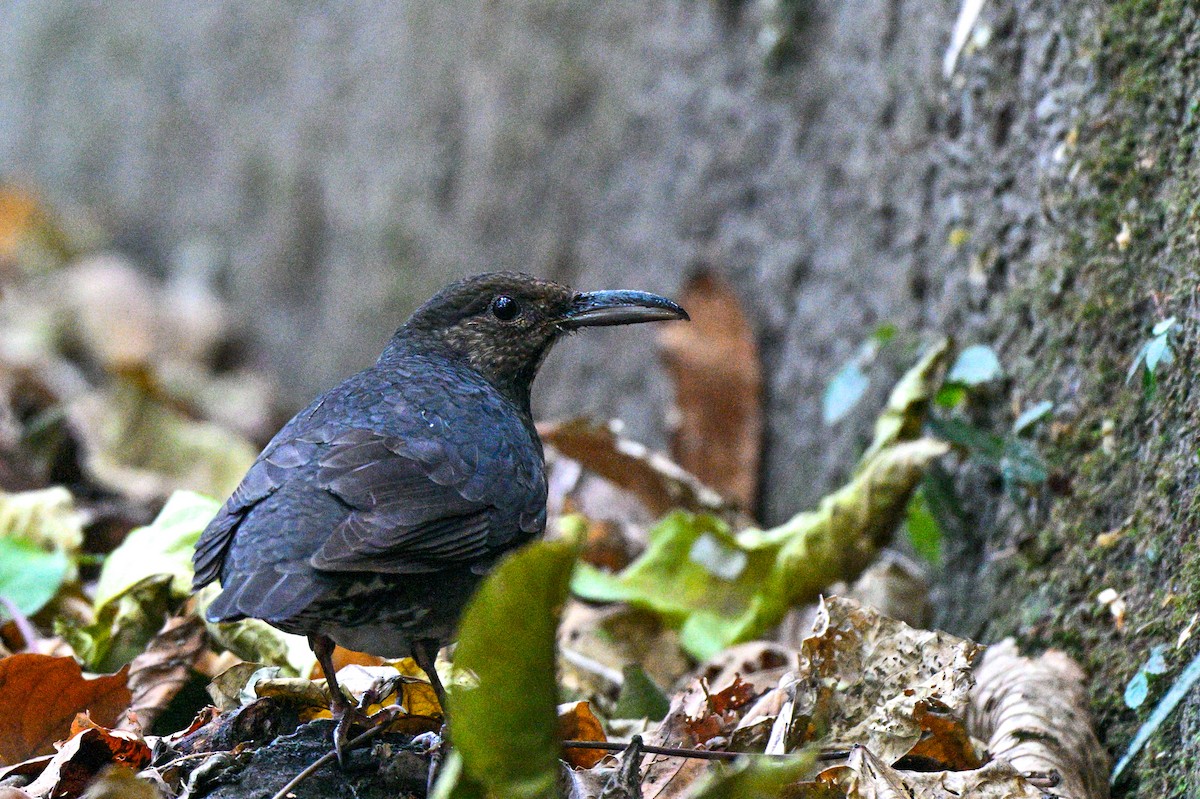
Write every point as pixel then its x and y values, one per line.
pixel 373 514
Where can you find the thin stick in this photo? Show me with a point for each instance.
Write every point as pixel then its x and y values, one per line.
pixel 329 757
pixel 699 754
pixel 22 623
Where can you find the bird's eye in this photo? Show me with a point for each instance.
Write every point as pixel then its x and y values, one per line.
pixel 505 308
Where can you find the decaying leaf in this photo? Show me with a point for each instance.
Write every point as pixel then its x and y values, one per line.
pixel 714 365
pixel 140 446
pixel 1034 714
pixel 866 776
pixel 655 479
pixel 577 722
pixel 124 624
pixel 755 779
pixel 90 748
pixel 722 588
pixel 47 518
pixel 910 685
pixel 161 671
pixel 40 696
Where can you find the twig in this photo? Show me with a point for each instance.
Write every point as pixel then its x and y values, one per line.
pixel 329 757
pixel 699 754
pixel 23 625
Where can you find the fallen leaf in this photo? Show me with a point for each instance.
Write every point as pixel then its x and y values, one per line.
pixel 124 624
pixel 120 782
pixel 1034 714
pixel 577 722
pixel 907 682
pixel 714 365
pixel 158 674
pixel 164 546
pixel 40 696
pixel 90 748
pixel 866 776
pixel 655 479
pixel 138 445
pixel 756 779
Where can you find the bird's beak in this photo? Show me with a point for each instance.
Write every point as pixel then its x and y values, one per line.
pixel 599 308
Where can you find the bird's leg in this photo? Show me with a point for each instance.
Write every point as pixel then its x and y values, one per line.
pixel 345 715
pixel 425 654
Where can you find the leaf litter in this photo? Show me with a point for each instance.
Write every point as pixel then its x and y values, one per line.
pixel 672 647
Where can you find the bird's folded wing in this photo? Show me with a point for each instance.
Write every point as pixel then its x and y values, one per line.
pixel 407 513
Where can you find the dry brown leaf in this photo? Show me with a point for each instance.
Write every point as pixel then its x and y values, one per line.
pixel 90 748
pixel 40 696
pixel 1034 714
pixel 577 722
pixel 159 673
pixel 891 667
pixel 866 776
pixel 656 480
pixel 715 367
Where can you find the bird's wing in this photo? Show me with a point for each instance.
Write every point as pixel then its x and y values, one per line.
pixel 264 478
pixel 416 504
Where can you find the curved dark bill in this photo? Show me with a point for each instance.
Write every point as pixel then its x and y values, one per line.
pixel 597 308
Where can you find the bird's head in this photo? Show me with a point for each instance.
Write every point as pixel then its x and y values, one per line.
pixel 503 324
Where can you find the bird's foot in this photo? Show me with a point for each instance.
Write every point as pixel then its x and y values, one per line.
pixel 347 719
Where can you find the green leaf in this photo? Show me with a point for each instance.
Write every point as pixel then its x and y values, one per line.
pixel 988 446
pixel 1158 350
pixel 756 778
pixel 30 575
pixel 924 532
pixel 1164 327
pixel 951 395
pixel 718 588
pixel 124 625
pixel 843 392
pixel 1157 662
pixel 1032 414
pixel 640 698
pixel 975 366
pixel 506 648
pixel 162 547
pixel 1137 690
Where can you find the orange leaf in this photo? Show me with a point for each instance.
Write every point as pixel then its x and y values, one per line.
pixel 82 757
pixel 576 722
pixel 40 695
pixel 718 390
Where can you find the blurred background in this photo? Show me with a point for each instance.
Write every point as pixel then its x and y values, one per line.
pixel 326 167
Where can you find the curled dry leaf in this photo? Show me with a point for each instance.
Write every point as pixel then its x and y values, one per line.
pixel 656 480
pixel 866 776
pixel 577 722
pixel 90 749
pixel 40 696
pixel 139 445
pixel 715 367
pixel 159 673
pixel 1034 715
pixel 697 719
pixel 910 687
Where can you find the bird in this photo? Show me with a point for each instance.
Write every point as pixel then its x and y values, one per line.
pixel 371 517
